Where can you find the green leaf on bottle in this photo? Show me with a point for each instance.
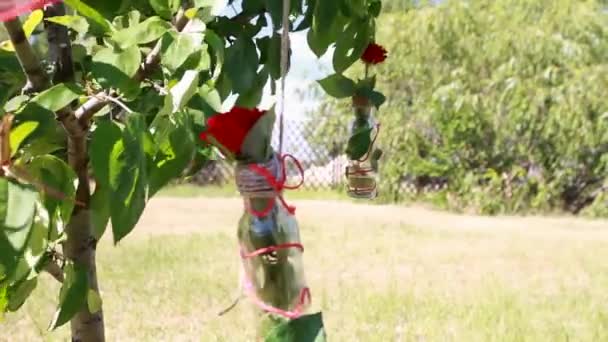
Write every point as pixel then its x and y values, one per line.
pixel 338 86
pixel 359 143
pixel 308 328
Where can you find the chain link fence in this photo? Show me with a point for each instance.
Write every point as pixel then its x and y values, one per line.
pixel 322 162
pixel 323 167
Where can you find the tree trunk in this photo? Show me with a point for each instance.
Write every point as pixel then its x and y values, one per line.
pixel 80 245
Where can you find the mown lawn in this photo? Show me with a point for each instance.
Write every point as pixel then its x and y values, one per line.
pixel 379 273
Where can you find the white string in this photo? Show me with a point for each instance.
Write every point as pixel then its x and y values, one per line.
pixel 284 63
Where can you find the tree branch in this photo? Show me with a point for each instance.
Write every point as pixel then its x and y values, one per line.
pixel 37 79
pixel 60 47
pixel 100 100
pixel 54 270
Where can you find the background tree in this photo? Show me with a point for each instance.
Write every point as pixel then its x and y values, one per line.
pixel 503 100
pixel 107 110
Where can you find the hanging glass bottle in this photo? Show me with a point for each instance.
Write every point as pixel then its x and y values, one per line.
pixel 271 249
pixel 362 169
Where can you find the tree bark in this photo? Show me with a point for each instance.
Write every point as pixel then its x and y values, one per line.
pixel 36 77
pixel 80 244
pixel 60 47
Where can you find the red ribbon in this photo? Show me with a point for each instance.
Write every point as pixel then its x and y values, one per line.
pixel 278 185
pixel 303 299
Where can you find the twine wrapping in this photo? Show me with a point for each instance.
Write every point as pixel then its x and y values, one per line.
pixel 266 180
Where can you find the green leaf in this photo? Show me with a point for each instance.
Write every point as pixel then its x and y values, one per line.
pixel 115 69
pixel 242 64
pixel 128 177
pixel 375 8
pixel 324 24
pixel 199 60
pixel 100 210
pixel 338 86
pixel 306 23
pixel 16 103
pixel 20 292
pixel 17 210
pixel 59 177
pixel 20 133
pixel 176 146
pixel 94 302
pixel 59 96
pixel 30 256
pixel 275 9
pixel 178 51
pixel 324 16
pixel 30 24
pixel 165 8
pixel 359 143
pixel 308 328
pixel 89 12
pixel 3 296
pixel 351 44
pixel 377 98
pixel 105 139
pixel 106 136
pixel 75 22
pixel 32 21
pixel 253 97
pixel 145 32
pixel 375 157
pixel 46 134
pixel 216 45
pixel 211 97
pixel 73 295
pixel 119 164
pixel 181 93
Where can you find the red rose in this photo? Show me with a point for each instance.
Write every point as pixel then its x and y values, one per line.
pixel 230 129
pixel 374 54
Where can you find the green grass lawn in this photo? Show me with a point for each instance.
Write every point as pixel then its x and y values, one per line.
pixel 229 190
pixel 379 273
